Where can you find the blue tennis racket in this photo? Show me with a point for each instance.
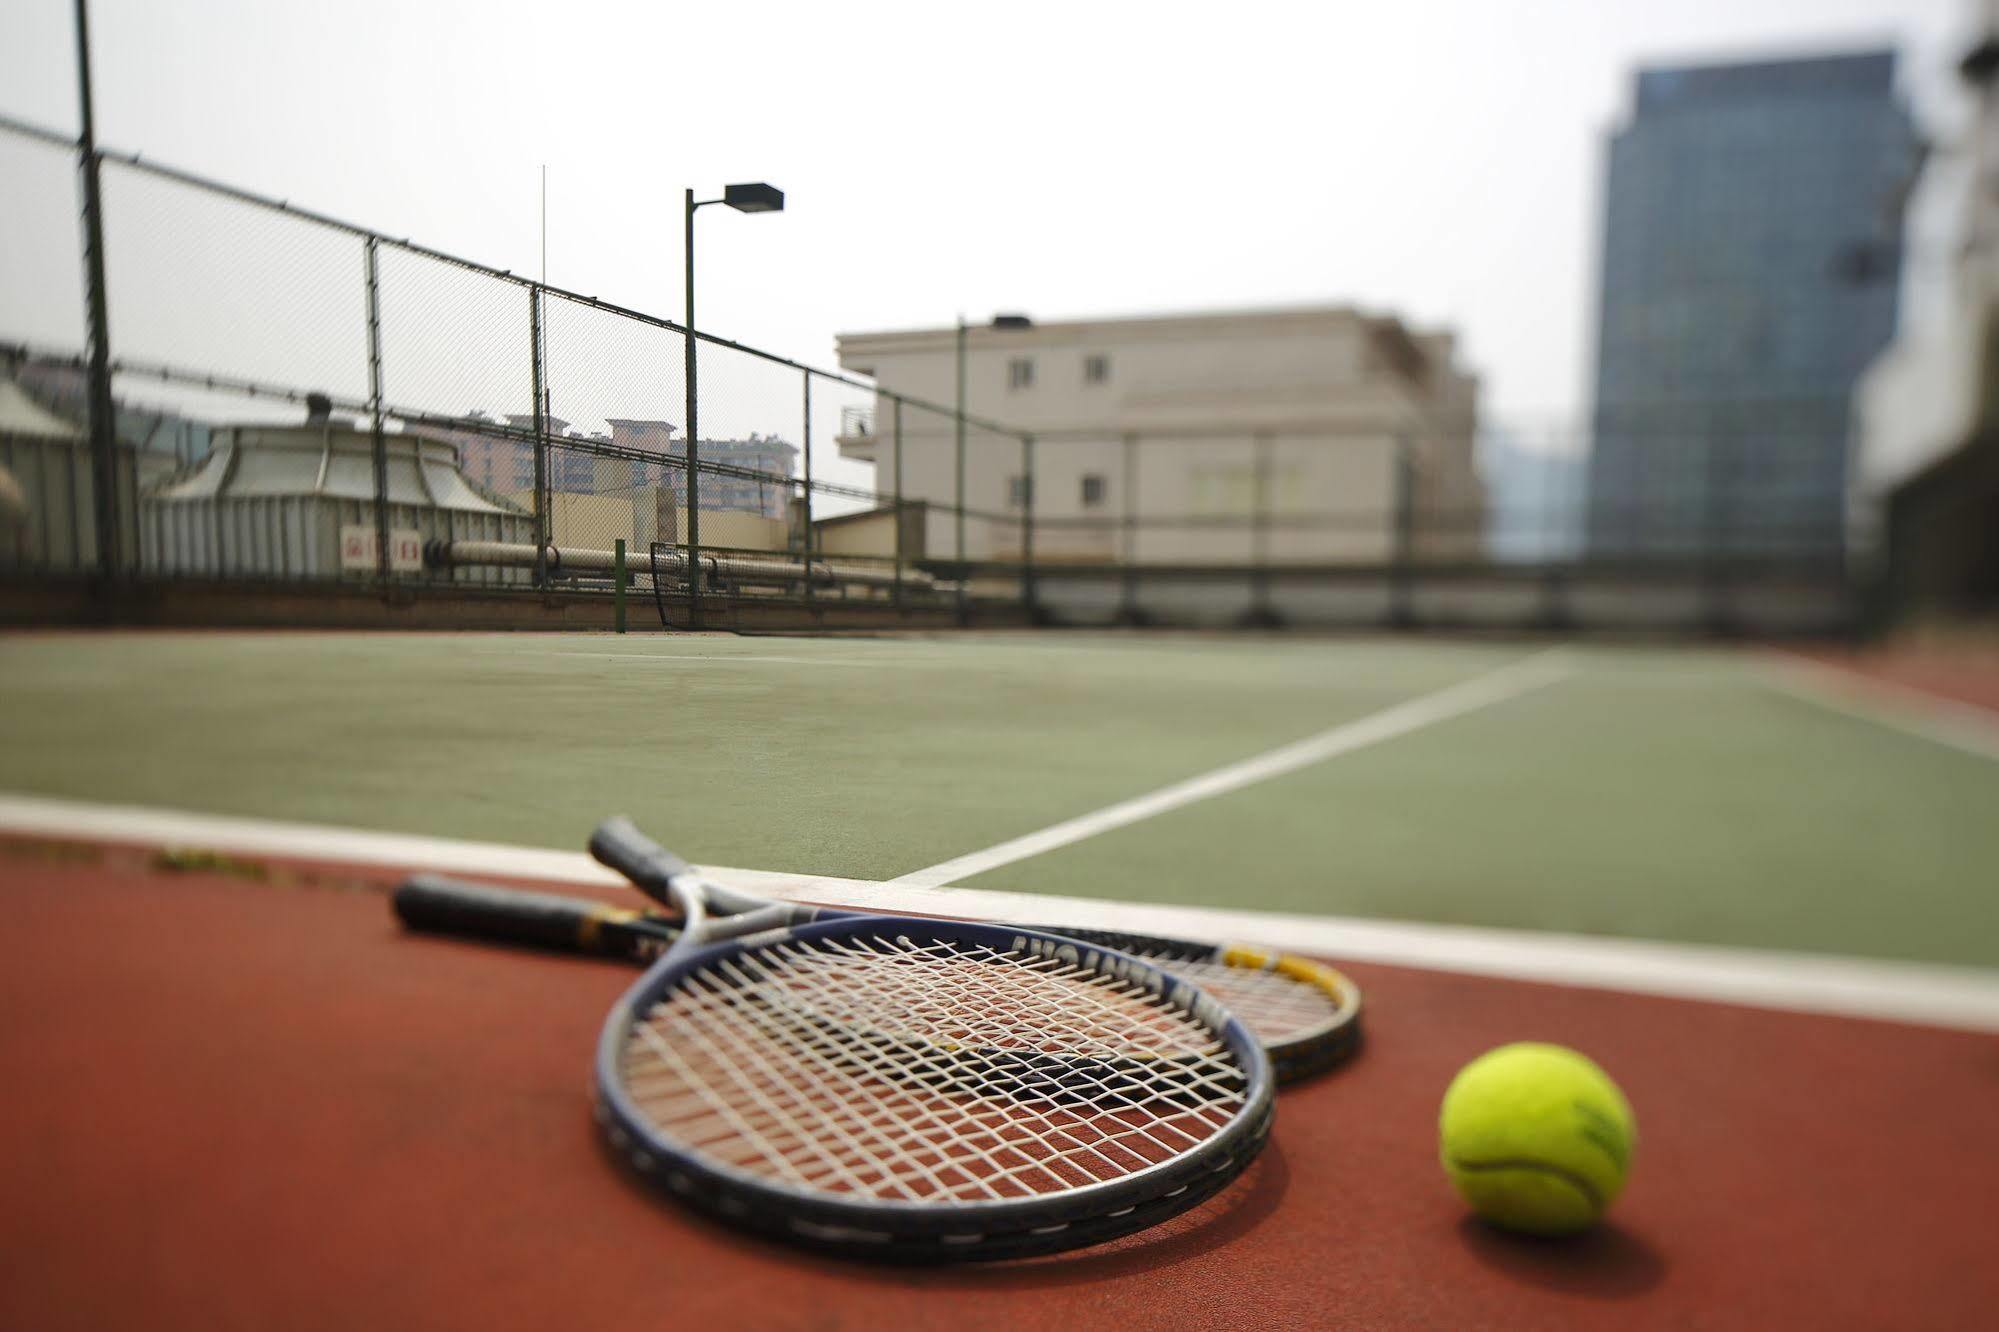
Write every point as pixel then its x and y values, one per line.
pixel 908 1089
pixel 1306 1014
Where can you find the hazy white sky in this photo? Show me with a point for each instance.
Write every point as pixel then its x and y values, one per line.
pixel 1438 160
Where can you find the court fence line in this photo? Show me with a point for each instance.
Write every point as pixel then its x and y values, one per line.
pixel 446 415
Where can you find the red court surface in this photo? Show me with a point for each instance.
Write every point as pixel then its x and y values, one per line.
pixel 1959 672
pixel 236 1104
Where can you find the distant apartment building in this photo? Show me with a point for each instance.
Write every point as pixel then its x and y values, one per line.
pixel 1310 435
pixel 502 462
pixel 598 464
pixel 495 462
pixel 1751 248
pixel 757 482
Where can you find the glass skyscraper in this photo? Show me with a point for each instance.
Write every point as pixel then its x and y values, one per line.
pixel 1751 259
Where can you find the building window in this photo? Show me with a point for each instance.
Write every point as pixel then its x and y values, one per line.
pixel 1020 372
pixel 1097 369
pixel 1019 490
pixel 1093 490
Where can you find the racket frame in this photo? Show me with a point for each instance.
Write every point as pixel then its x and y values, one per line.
pixel 924 1232
pixel 434 902
pixel 1294 1057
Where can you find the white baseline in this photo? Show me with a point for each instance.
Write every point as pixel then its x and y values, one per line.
pixel 1946 996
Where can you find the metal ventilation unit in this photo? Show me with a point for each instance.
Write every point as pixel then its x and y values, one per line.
pixel 298 501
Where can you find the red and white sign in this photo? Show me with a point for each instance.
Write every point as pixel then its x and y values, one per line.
pixel 357 549
pixel 405 550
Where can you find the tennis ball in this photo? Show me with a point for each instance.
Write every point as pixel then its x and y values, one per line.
pixel 1536 1138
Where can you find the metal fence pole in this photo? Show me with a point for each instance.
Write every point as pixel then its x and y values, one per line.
pixel 1027 525
pixel 375 412
pixel 103 410
pixel 1129 612
pixel 618 584
pixel 1259 531
pixel 897 417
pixel 805 521
pixel 693 449
pixel 1713 555
pixel 958 501
pixel 1400 608
pixel 542 526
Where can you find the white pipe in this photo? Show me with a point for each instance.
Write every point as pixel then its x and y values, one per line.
pixel 723 568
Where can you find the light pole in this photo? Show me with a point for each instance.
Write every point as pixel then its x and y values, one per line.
pixel 757 198
pixel 103 412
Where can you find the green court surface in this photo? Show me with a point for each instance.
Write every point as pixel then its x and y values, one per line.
pixel 1664 794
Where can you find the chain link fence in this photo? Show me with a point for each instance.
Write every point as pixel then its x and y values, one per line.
pixel 301 401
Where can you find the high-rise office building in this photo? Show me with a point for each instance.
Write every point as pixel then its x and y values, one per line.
pixel 1751 259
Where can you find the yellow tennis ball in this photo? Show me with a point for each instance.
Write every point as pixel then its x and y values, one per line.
pixel 1536 1138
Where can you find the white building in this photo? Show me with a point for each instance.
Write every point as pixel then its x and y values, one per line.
pixel 1925 498
pixel 1193 425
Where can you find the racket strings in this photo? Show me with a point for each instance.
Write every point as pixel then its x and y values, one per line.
pixel 932 1189
pixel 874 1142
pixel 800 1126
pixel 1274 1006
pixel 926 1071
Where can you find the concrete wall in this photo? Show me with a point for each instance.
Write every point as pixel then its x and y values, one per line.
pixel 590 522
pixel 1335 393
pixel 871 535
pixel 741 530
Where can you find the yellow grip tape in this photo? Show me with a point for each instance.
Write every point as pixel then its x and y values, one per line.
pixel 591 928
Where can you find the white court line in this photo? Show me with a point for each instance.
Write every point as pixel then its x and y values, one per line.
pixel 1947 996
pixel 1943 721
pixel 718 659
pixel 1520 677
pixel 38 816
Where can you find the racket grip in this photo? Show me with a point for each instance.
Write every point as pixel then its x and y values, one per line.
pixel 619 845
pixel 433 903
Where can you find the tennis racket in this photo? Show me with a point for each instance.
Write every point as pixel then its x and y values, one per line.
pixel 914 1090
pixel 1306 1014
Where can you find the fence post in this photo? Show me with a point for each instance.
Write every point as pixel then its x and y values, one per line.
pixel 1400 611
pixel 375 413
pixel 1027 526
pixel 1259 532
pixel 1129 613
pixel 618 584
pixel 958 501
pixel 541 518
pixel 1563 530
pixel 897 416
pixel 692 451
pixel 103 410
pixel 1713 556
pixel 805 522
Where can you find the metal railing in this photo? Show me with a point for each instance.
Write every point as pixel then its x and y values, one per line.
pixel 857 422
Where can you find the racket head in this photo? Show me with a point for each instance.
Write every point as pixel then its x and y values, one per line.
pixel 872 1110
pixel 1307 1014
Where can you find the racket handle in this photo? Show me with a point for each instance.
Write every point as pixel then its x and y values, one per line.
pixel 439 905
pixel 618 844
